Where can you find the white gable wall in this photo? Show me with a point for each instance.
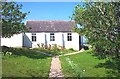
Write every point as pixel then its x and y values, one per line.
pixel 26 41
pixel 14 41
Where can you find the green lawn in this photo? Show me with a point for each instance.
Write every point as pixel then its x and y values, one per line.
pixel 55 51
pixel 25 62
pixel 85 64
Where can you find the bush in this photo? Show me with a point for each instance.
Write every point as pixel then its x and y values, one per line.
pixel 38 45
pixel 85 47
pixel 5 47
pixel 54 47
pixel 71 49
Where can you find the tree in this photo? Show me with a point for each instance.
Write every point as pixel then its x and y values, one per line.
pixel 100 23
pixel 12 18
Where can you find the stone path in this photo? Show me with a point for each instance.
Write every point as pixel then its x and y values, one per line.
pixel 55 70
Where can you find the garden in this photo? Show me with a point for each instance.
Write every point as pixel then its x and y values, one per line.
pixel 88 64
pixel 54 50
pixel 24 62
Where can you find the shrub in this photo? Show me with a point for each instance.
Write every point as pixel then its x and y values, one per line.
pixel 49 48
pixel 38 45
pixel 42 45
pixel 46 47
pixel 85 47
pixel 54 47
pixel 71 49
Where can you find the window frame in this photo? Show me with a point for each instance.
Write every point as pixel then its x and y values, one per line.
pixel 52 36
pixel 34 37
pixel 69 36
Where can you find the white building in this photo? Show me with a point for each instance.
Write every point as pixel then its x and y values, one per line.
pixel 46 33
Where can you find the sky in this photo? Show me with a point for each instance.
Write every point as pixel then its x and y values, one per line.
pixel 49 10
pixel 65 0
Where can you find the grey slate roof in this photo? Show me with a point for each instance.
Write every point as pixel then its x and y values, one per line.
pixel 50 25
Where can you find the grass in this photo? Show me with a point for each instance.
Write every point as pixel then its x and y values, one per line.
pixel 24 62
pixel 55 51
pixel 85 64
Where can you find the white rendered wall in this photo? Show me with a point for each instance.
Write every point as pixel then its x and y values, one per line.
pixel 40 38
pixel 14 41
pixel 27 40
pixel 60 39
pixel 74 43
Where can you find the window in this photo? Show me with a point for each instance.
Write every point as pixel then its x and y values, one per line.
pixel 52 37
pixel 34 37
pixel 69 37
